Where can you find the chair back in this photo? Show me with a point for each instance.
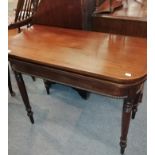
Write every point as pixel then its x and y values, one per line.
pixel 25 9
pixel 64 13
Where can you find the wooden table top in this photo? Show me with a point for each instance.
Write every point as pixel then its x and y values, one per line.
pixel 135 11
pixel 111 57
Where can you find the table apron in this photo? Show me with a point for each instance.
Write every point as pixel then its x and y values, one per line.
pixel 84 82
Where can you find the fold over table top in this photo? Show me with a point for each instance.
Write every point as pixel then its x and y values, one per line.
pixel 117 58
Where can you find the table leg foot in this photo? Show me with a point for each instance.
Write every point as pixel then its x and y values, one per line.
pixel 23 92
pixel 33 78
pixel 133 114
pixel 122 150
pixel 13 94
pixel 123 146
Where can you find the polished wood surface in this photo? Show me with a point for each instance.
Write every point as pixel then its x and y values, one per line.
pixel 106 64
pixel 127 21
pixel 74 14
pixel 113 57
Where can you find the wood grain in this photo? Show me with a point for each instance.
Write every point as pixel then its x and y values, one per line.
pixel 113 57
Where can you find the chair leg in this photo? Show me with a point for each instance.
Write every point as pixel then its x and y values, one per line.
pixel 10 85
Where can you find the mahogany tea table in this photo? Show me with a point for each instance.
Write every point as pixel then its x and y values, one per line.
pixel 107 64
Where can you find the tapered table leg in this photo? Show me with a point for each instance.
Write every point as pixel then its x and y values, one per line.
pixel 23 92
pixel 135 104
pixel 83 93
pixel 9 84
pixel 47 86
pixel 126 117
pixel 140 97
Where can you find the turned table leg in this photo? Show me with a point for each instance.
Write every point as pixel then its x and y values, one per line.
pixel 126 117
pixel 23 92
pixel 9 84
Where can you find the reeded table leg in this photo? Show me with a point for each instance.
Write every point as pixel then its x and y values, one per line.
pixel 126 117
pixel 9 84
pixel 24 95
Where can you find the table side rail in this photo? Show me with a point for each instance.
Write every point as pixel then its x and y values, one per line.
pixel 91 84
